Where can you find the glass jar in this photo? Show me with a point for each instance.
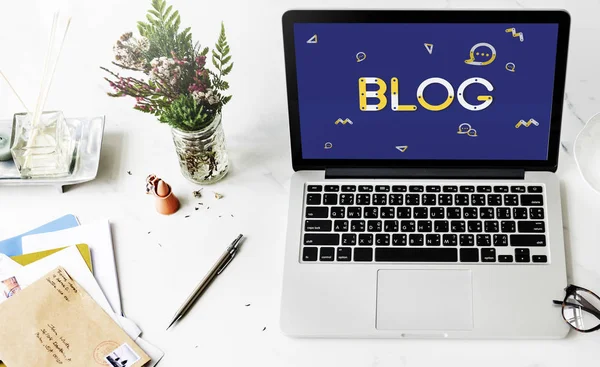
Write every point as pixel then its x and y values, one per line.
pixel 202 154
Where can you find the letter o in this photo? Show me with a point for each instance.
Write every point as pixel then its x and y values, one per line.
pixel 428 82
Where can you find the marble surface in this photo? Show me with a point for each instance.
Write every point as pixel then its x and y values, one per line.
pixel 160 259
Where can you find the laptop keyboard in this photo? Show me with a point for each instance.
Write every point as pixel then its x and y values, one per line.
pixel 486 224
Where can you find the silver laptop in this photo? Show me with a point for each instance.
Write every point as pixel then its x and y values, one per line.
pixel 424 202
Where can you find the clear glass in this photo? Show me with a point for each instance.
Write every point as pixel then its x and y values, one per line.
pixel 202 154
pixel 578 317
pixel 587 152
pixel 47 149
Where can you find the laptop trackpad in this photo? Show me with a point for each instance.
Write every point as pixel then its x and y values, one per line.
pixel 424 300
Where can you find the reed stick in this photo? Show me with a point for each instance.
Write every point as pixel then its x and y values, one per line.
pixel 14 92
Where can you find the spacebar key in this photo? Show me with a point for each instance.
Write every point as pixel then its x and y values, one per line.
pixel 416 254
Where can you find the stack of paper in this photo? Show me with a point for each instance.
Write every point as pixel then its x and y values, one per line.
pixel 53 264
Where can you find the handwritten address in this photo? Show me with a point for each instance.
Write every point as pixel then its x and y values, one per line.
pixel 55 344
pixel 63 284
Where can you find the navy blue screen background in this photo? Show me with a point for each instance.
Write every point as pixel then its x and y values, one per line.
pixel 328 73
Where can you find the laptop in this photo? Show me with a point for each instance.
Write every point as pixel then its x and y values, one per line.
pixel 424 202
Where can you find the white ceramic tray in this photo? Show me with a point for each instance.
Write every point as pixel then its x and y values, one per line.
pixel 90 146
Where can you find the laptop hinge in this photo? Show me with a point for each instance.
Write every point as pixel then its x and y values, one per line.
pixel 429 173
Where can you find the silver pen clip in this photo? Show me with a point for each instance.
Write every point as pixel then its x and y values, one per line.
pixel 233 249
pixel 227 263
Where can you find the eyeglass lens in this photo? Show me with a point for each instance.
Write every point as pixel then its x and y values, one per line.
pixel 582 310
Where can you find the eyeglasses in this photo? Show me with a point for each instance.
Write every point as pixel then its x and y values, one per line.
pixel 581 309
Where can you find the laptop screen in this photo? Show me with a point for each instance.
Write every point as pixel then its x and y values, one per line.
pixel 425 91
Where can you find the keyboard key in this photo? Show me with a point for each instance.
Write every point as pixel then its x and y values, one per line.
pixel 491 226
pixel 522 255
pixel 508 226
pixel 500 240
pixel 365 188
pixel 382 239
pixel 445 199
pixel 511 200
pixel 467 240
pixel 363 199
pixel 488 255
pixel 460 199
pixel 363 254
pixel 396 199
pixel 309 254
pixel 332 239
pixel 382 188
pixel 354 212
pixel 486 213
pixel 344 254
pixel 517 189
pixel 539 258
pixel 477 199
pixel 317 212
pixel 469 213
pixel 365 239
pixel 429 199
pixel 505 258
pixel 314 188
pixel 467 189
pixel 433 188
pixel 432 240
pixel 326 254
pixel 387 212
pixel 450 188
pixel 390 254
pixel 374 226
pixel 453 213
pixel 420 212
pixel 424 226
pixel 531 227
pixel 500 188
pixel 532 200
pixel 379 199
pixel 520 213
pixel 494 200
pixel 449 240
pixel 348 188
pixel 341 226
pixel 399 188
pixel 436 213
pixel 313 199
pixel 474 226
pixel 357 226
pixel 338 212
pixel 536 213
pixel 390 226
pixel 317 225
pixel 371 212
pixel 332 188
pixel 484 240
pixel 457 226
pixel 503 213
pixel 469 255
pixel 484 189
pixel 412 199
pixel 441 226
pixel 348 239
pixel 346 199
pixel 407 226
pixel 404 212
pixel 330 199
pixel 399 239
pixel 416 188
pixel 528 240
pixel 534 189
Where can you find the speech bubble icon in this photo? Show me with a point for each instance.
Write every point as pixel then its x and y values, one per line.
pixel 510 67
pixel 464 128
pixel 361 56
pixel 328 145
pixel 472 133
pixel 483 52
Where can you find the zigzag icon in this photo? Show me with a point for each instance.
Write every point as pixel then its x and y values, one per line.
pixel 515 33
pixel 344 122
pixel 527 124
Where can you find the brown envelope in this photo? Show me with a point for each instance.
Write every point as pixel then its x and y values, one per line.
pixel 54 322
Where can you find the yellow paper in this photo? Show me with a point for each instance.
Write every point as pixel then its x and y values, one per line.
pixel 27 259
pixel 55 323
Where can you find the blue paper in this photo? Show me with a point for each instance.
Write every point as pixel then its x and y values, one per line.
pixel 13 246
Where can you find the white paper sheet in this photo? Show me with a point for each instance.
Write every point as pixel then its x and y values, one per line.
pixel 98 237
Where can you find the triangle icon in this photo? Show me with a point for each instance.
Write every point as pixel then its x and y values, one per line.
pixel 402 148
pixel 429 47
pixel 312 39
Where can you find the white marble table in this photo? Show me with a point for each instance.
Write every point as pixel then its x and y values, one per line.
pixel 160 259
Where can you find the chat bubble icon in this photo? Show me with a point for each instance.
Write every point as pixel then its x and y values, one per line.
pixel 481 54
pixel 328 145
pixel 472 133
pixel 463 128
pixel 510 67
pixel 361 56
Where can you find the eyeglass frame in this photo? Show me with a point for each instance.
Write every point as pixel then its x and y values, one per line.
pixel 571 290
